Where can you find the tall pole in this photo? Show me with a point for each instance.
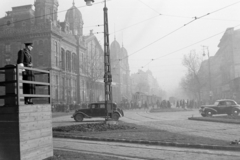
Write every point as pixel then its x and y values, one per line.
pixel 209 74
pixel 107 64
pixel 210 81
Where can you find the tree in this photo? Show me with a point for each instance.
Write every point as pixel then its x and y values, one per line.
pixel 191 82
pixel 93 67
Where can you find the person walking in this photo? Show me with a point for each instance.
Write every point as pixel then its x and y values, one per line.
pixel 25 60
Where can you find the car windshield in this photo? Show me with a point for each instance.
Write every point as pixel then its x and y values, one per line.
pixel 216 103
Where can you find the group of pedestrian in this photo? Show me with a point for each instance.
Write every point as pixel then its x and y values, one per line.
pixel 64 107
pixel 163 104
pixel 190 104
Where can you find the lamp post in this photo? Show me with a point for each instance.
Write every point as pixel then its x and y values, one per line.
pixel 209 73
pixel 107 64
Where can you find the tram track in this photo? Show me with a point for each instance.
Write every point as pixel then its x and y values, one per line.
pixel 117 150
pixel 100 154
pixel 103 145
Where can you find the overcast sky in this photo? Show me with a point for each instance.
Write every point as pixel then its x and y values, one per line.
pixel 153 31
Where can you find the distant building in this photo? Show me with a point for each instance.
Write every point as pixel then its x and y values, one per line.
pixel 143 81
pixel 224 68
pixel 120 72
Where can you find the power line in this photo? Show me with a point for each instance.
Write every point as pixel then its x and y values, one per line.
pixel 136 24
pixel 160 14
pixel 195 18
pixel 189 45
pixel 51 14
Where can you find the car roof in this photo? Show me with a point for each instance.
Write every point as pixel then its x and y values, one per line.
pixel 101 102
pixel 225 100
pixel 230 100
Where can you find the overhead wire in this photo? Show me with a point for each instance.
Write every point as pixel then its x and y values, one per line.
pixel 159 14
pixel 195 18
pixel 189 45
pixel 96 3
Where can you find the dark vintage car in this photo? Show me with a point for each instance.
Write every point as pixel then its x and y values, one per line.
pixel 223 106
pixel 98 109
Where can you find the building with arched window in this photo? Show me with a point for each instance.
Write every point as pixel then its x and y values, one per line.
pixel 120 72
pixel 58 46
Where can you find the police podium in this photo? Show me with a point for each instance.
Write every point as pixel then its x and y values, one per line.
pixel 25 130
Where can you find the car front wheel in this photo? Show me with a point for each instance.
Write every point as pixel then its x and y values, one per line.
pixel 115 116
pixel 235 112
pixel 209 113
pixel 78 117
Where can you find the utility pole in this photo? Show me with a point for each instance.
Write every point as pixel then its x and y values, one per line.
pixel 209 73
pixel 107 65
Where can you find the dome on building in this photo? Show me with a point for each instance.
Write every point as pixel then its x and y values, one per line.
pixel 73 15
pixel 124 52
pixel 115 45
pixel 115 49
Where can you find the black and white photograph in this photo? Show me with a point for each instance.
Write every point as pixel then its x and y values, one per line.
pixel 119 80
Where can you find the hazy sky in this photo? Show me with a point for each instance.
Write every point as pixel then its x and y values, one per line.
pixel 153 31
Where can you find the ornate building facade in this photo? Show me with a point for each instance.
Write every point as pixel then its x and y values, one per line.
pixel 120 72
pixel 58 46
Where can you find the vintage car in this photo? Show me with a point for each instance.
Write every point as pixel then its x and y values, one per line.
pixel 98 109
pixel 223 106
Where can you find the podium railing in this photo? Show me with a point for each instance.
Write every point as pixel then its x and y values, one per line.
pixel 11 85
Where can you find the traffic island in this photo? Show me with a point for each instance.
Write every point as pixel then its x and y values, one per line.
pixel 132 133
pixel 221 119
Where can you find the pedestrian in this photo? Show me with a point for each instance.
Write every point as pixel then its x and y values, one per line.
pixel 25 60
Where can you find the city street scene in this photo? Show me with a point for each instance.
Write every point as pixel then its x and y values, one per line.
pixel 119 80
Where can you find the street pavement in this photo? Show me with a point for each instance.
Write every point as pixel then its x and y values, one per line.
pixel 142 152
pixel 176 122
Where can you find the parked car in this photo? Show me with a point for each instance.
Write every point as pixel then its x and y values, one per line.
pixel 98 110
pixel 222 106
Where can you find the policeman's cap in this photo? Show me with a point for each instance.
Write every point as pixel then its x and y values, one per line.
pixel 28 44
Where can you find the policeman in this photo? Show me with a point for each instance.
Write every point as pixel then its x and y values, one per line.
pixel 25 60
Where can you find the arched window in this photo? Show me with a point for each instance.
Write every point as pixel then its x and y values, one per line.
pixel 62 60
pixel 55 48
pixel 68 60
